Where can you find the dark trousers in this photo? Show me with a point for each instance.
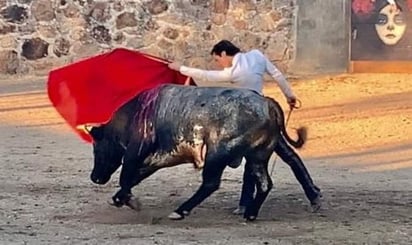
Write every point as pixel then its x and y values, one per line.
pixel 289 156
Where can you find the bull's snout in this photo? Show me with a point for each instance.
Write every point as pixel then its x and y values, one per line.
pixel 97 180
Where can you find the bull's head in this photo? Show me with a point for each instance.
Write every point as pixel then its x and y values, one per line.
pixel 108 154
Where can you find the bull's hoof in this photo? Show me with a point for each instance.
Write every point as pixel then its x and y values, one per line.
pixel 134 203
pixel 177 216
pixel 121 198
pixel 116 202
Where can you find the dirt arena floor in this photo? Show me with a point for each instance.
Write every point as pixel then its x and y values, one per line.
pixel 359 151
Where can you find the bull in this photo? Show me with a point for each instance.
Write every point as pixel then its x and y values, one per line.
pixel 209 127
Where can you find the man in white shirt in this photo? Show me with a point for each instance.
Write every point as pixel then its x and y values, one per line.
pixel 246 70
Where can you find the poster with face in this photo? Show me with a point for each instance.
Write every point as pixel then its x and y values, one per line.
pixel 381 30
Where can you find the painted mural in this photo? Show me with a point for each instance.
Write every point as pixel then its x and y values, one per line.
pixel 381 30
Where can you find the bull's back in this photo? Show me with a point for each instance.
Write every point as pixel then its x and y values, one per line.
pixel 184 111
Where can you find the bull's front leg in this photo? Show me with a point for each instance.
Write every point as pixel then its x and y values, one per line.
pixel 130 177
pixel 133 172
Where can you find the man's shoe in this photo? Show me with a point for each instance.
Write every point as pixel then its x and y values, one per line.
pixel 316 204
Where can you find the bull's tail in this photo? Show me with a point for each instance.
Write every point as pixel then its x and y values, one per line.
pixel 275 111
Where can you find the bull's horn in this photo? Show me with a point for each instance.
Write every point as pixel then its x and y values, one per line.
pixel 87 127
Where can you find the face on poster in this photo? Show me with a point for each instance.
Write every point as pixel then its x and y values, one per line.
pixel 390 25
pixel 381 29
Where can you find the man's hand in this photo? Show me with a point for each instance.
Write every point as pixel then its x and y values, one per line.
pixel 292 102
pixel 175 66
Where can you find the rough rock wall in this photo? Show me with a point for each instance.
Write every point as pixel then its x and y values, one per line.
pixel 37 35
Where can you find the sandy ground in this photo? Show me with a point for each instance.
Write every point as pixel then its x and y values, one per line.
pixel 359 152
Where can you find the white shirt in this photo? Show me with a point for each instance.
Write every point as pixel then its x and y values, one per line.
pixel 247 71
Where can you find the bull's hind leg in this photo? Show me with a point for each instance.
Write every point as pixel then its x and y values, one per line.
pixel 259 167
pixel 212 174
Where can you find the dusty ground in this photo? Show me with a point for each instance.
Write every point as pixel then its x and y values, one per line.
pixel 359 152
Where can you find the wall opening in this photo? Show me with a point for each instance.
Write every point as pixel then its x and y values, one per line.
pixel 321 37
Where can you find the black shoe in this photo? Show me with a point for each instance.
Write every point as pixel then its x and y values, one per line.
pixel 316 203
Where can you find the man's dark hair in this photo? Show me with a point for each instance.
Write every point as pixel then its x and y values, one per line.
pixel 226 46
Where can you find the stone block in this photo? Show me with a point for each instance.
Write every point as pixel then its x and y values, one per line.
pixel 171 33
pixel 118 6
pixel 15 14
pixel 9 61
pixel 119 37
pixel 8 42
pixel 35 48
pixel 151 25
pixel 43 10
pixel 240 24
pixel 100 12
pixel 218 19
pixel 71 11
pixel 61 47
pixel 157 6
pixel 101 34
pixel 127 19
pixel 163 44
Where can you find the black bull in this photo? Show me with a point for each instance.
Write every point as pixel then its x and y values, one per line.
pixel 209 127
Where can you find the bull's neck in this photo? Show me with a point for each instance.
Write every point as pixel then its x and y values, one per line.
pixel 120 125
pixel 138 114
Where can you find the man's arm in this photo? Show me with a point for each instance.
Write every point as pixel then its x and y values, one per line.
pixel 279 78
pixel 281 81
pixel 224 75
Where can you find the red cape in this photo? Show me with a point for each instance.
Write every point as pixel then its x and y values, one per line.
pixel 90 91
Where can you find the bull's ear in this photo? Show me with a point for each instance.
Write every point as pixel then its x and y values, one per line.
pixel 97 133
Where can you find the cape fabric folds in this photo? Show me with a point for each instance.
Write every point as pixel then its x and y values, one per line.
pixel 88 92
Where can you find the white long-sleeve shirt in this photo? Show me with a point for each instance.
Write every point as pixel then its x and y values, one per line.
pixel 247 71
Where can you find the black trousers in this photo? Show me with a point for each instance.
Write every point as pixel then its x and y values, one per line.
pixel 289 156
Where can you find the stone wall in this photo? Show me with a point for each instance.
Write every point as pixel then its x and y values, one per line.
pixel 37 35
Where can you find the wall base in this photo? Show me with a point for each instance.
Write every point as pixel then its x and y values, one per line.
pixel 380 66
